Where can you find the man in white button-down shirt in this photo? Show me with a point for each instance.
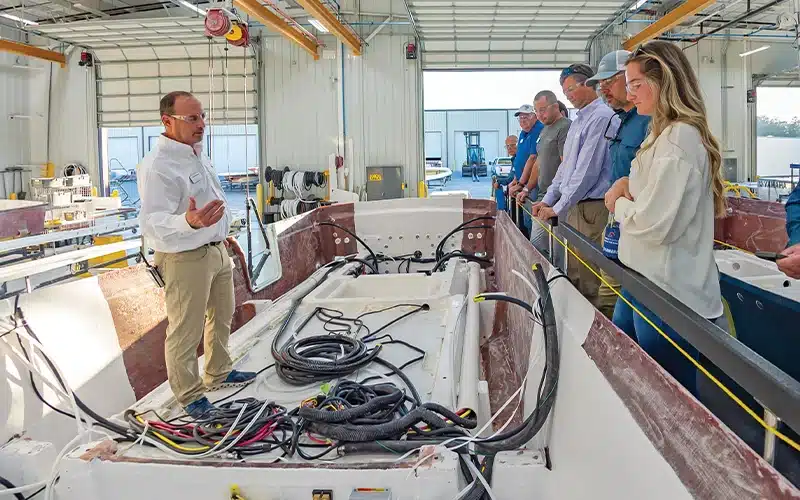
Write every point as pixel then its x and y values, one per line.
pixel 185 219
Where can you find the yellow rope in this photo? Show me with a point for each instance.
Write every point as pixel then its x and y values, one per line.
pixel 731 246
pixel 700 367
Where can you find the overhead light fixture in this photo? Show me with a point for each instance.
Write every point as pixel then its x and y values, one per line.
pixel 320 27
pixel 750 52
pixel 192 6
pixel 638 4
pixel 20 20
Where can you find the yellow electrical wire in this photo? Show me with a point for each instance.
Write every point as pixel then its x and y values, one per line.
pixel 700 367
pixel 173 443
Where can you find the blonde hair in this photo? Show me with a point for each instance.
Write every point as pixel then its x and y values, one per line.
pixel 679 100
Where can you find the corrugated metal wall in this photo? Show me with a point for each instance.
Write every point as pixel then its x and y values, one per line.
pixel 298 104
pixel 382 103
pixel 448 126
pixel 15 141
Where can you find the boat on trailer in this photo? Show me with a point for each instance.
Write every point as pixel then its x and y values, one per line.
pixel 413 348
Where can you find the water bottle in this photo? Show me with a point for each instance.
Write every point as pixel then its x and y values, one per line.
pixel 611 238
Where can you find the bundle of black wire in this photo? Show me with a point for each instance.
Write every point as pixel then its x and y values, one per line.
pixel 275 176
pixel 321 358
pixel 354 412
pixel 442 258
pixel 314 179
pixel 465 226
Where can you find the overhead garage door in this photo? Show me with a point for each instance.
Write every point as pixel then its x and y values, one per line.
pixel 138 61
pixel 433 144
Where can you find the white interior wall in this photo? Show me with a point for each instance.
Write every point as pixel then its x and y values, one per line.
pixel 66 128
pixel 14 131
pixel 382 102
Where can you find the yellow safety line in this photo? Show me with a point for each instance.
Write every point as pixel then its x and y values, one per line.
pixel 734 247
pixel 700 367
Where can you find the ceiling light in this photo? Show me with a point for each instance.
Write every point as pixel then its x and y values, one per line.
pixel 20 20
pixel 192 6
pixel 749 52
pixel 318 25
pixel 638 4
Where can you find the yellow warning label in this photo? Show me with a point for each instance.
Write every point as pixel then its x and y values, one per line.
pixel 375 177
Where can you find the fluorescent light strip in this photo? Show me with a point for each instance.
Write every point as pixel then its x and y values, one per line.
pixel 750 52
pixel 195 8
pixel 20 20
pixel 318 25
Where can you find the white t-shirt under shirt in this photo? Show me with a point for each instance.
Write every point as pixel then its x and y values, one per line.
pixel 667 232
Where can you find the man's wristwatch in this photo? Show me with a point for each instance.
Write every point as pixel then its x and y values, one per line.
pixel 525 190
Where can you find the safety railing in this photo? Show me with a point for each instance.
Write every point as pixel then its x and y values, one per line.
pixel 774 389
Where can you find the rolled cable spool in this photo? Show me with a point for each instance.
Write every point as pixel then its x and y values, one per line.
pixel 238 35
pixel 217 23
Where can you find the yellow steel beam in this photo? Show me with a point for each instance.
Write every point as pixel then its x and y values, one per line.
pixel 276 23
pixel 670 20
pixel 31 51
pixel 326 17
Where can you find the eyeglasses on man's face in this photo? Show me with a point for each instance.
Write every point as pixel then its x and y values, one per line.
pixel 190 119
pixel 604 84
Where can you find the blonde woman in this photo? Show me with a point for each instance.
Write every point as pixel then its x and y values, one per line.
pixel 666 207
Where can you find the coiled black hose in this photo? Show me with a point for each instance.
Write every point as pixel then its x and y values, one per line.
pixel 322 357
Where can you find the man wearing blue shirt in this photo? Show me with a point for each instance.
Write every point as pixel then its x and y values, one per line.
pixel 526 152
pixel 578 189
pixel 791 263
pixel 505 180
pixel 624 144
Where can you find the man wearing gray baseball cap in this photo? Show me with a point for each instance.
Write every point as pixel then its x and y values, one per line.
pixel 624 144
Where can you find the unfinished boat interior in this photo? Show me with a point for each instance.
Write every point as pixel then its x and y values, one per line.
pixel 395 332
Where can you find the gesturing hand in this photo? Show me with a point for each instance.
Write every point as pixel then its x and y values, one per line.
pixel 206 216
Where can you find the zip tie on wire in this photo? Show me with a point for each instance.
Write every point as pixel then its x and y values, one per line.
pixel 697 365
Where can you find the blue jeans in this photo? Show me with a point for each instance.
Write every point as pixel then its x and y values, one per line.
pixel 654 344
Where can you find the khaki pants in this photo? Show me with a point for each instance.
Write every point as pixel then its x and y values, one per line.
pixel 199 293
pixel 588 218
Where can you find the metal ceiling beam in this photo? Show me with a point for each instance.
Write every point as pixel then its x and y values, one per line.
pixel 79 7
pixel 667 22
pixel 31 51
pixel 273 22
pixel 747 15
pixel 344 33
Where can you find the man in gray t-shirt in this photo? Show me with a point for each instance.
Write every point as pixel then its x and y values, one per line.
pixel 550 149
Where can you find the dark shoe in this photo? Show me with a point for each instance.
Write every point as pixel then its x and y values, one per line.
pixel 235 379
pixel 200 408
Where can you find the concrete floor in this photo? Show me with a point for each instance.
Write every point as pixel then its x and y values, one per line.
pixel 482 189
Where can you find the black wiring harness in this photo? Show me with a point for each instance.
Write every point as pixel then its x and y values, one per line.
pixel 349 416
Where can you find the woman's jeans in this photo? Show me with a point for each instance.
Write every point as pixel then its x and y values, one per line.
pixel 654 344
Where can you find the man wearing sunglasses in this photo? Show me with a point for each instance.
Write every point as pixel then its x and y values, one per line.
pixel 185 219
pixel 624 144
pixel 579 186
